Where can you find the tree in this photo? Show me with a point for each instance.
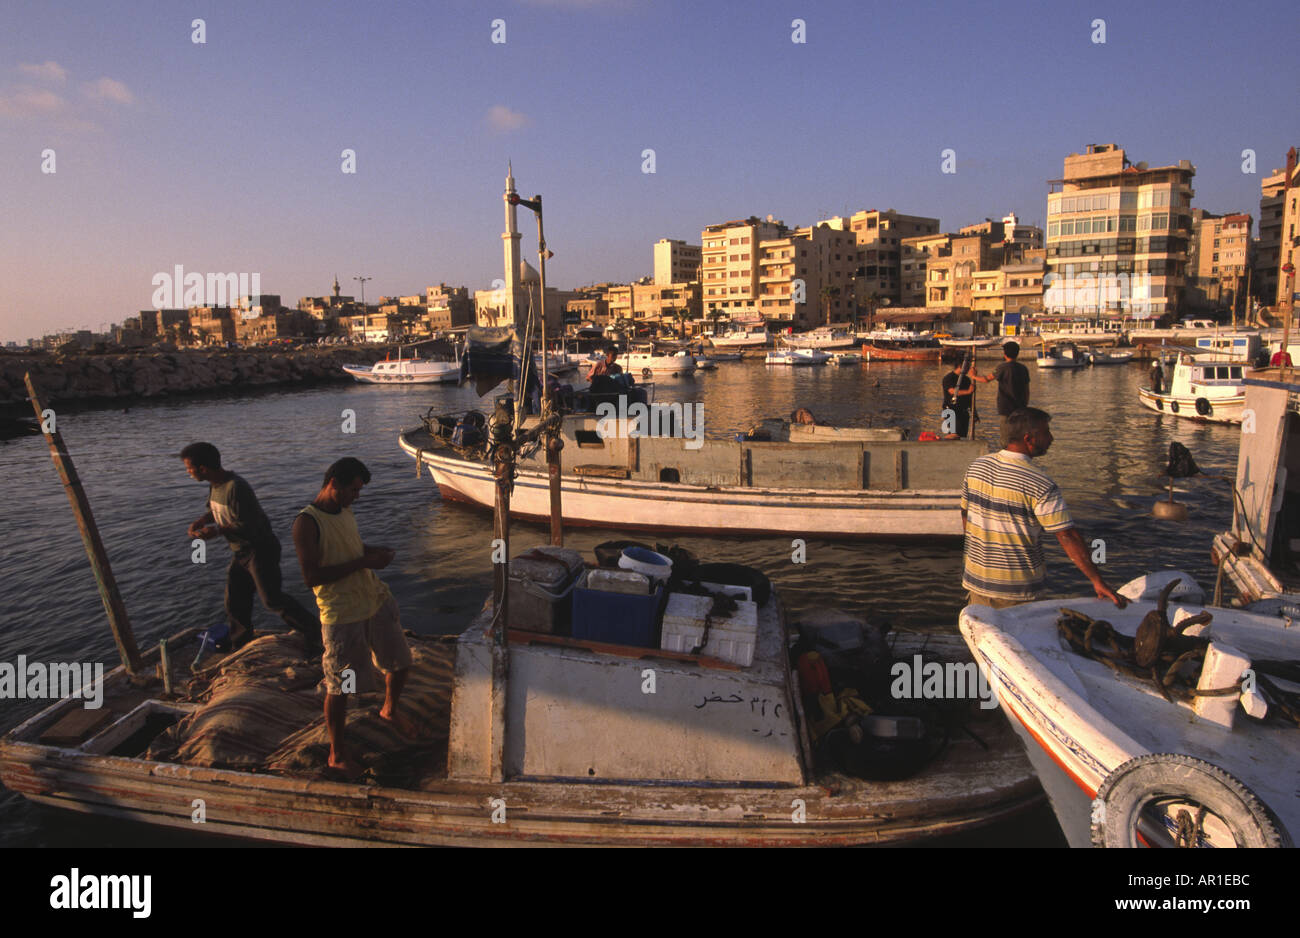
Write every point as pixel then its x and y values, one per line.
pixel 827 293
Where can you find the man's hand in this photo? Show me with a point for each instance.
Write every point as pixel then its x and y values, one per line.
pixel 376 558
pixel 207 533
pixel 1105 592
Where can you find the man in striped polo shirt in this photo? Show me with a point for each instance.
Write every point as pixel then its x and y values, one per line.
pixel 1006 505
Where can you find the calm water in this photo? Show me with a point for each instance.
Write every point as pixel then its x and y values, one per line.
pixel 1107 456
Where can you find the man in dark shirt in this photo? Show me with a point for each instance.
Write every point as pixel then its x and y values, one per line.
pixel 1013 381
pixel 957 389
pixel 235 514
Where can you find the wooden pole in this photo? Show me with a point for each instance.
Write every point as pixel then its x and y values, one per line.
pixel 553 441
pixel 503 454
pixel 118 620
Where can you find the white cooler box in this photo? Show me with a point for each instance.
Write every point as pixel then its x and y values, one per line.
pixel 731 639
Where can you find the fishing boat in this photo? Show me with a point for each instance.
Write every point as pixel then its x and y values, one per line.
pixel 848 358
pixel 1064 356
pixel 750 337
pixel 823 337
pixel 901 345
pixel 984 342
pixel 797 356
pixel 1206 389
pixel 781 478
pixel 404 370
pixel 647 363
pixel 1197 755
pixel 557 746
pixel 1111 356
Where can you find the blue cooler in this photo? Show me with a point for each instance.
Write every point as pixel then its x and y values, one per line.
pixel 618 618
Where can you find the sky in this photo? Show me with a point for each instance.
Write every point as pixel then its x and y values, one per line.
pixel 226 155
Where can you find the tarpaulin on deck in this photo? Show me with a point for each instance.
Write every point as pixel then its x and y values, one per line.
pixel 493 354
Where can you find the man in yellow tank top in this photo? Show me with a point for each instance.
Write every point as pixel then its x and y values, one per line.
pixel 359 616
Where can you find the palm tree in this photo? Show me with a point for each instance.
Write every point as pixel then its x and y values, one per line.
pixel 827 292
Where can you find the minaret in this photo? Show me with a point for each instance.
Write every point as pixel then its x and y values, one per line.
pixel 336 289
pixel 510 239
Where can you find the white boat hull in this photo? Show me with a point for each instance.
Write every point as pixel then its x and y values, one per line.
pixel 1222 409
pixel 367 375
pixel 650 506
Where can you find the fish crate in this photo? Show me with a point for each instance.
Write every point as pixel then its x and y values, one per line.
pixel 733 638
pixel 540 589
pixel 617 618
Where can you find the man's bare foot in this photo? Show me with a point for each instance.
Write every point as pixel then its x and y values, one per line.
pixel 400 722
pixel 344 765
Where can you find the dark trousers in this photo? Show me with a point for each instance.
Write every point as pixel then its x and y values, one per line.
pixel 962 421
pixel 258 570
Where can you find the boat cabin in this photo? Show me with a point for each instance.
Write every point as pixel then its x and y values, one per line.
pixel 1243 346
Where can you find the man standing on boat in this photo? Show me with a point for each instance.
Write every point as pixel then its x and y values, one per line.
pixel 359 616
pixel 235 513
pixel 957 392
pixel 1006 505
pixel 1013 381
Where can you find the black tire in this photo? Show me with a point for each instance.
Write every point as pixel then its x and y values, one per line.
pixel 647 372
pixel 1138 782
pixel 1203 407
pixel 1173 407
pixel 1160 404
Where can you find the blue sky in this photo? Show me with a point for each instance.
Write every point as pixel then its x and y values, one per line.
pixel 225 156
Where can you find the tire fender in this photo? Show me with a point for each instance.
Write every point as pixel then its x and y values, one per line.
pixel 1136 783
pixel 1203 407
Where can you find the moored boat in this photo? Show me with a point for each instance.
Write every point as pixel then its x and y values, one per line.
pixel 752 337
pixel 1205 389
pixel 1111 356
pixel 1114 710
pixel 1065 356
pixel 649 364
pixel 797 356
pixel 824 337
pixel 403 370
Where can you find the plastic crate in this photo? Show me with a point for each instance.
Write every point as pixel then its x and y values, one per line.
pixel 732 639
pixel 535 608
pixel 617 618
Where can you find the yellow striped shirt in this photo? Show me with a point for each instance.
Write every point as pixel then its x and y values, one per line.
pixel 1009 503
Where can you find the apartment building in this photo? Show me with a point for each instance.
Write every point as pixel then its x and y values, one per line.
pixel 1022 281
pixel 1117 236
pixel 646 302
pixel 447 307
pixel 1289 240
pixel 1217 259
pixel 1268 247
pixel 729 269
pixel 806 277
pixel 950 271
pixel 880 236
pixel 676 262
pixel 914 255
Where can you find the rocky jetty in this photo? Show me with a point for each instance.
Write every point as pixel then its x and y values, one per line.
pixel 90 378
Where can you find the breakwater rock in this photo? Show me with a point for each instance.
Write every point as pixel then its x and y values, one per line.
pixel 143 374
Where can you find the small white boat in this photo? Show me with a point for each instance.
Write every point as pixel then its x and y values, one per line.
pixel 1063 356
pixel 648 364
pixel 821 338
pixel 1208 390
pixel 755 337
pixel 848 358
pixel 797 356
pixel 1111 357
pixel 414 370
pixel 1124 762
pixel 986 342
pixel 703 363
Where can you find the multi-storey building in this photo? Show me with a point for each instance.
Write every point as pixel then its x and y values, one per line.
pixel 1117 236
pixel 950 271
pixel 212 325
pixel 448 307
pixel 806 277
pixel 1217 259
pixel 1268 247
pixel 644 302
pixel 880 237
pixel 914 255
pixel 729 269
pixel 676 262
pixel 1289 243
pixel 1022 281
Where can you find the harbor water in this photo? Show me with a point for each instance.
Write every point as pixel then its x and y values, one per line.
pixel 1108 455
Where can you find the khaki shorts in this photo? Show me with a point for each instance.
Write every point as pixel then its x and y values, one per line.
pixel 356 644
pixel 979 599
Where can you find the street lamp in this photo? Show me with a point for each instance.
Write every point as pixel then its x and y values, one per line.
pixel 362 281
